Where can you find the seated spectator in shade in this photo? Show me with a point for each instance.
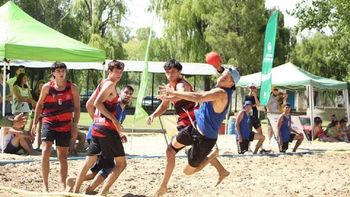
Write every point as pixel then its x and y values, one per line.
pixel 337 132
pixel 14 140
pixel 331 124
pixel 319 133
pixel 344 129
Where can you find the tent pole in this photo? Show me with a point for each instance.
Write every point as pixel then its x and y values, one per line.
pixel 311 105
pixel 3 101
pixel 104 71
pixel 346 97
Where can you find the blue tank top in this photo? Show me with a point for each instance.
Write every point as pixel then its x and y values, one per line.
pixel 285 128
pixel 208 120
pixel 244 126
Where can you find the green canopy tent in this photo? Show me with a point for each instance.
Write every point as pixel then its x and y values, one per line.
pixel 24 38
pixel 290 76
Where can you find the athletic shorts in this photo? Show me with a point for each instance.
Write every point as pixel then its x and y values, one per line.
pixel 103 166
pixel 286 144
pixel 244 145
pixel 255 122
pixel 11 149
pixel 201 146
pixel 60 138
pixel 108 147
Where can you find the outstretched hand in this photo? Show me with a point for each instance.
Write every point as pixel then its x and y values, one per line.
pixel 19 121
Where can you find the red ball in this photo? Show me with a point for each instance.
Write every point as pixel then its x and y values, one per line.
pixel 213 58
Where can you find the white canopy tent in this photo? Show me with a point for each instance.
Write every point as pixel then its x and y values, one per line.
pixel 130 65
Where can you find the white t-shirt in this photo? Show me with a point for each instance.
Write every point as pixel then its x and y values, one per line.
pixel 273 105
pixel 17 106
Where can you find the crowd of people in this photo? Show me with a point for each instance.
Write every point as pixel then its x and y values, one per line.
pixel 200 114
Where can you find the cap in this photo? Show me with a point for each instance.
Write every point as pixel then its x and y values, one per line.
pixel 287 104
pixel 234 74
pixel 251 85
pixel 247 103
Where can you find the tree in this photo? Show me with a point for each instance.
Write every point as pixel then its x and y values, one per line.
pixel 318 56
pixel 332 15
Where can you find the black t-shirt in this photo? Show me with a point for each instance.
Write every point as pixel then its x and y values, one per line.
pixel 252 100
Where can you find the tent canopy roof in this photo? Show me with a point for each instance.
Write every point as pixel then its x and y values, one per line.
pixel 292 77
pixel 137 66
pixel 22 37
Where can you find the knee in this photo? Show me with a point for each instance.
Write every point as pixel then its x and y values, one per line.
pixel 262 137
pixel 170 153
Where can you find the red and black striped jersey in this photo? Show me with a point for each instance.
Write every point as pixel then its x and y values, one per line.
pixel 58 109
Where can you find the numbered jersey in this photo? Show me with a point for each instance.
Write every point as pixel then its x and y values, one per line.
pixel 58 109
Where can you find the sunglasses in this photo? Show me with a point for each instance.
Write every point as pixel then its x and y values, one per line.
pixel 252 87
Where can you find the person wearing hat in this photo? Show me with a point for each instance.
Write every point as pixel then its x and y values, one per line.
pixel 244 129
pixel 253 98
pixel 202 135
pixel 286 133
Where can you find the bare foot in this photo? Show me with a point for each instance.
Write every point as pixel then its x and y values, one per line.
pixel 161 191
pixel 70 184
pixel 222 177
pixel 91 192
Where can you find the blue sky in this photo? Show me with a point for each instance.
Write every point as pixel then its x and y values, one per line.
pixel 138 15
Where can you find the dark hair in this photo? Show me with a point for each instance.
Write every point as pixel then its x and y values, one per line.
pixel 343 120
pixel 20 66
pixel 318 120
pixel 128 87
pixel 172 64
pixel 115 64
pixel 19 80
pixel 57 65
pixel 36 89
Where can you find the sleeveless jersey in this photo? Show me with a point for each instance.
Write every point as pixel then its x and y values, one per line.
pixel 244 126
pixel 285 128
pixel 103 126
pixel 208 120
pixel 58 109
pixel 182 105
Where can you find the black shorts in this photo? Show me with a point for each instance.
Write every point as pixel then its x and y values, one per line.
pixel 201 145
pixel 109 147
pixel 61 138
pixel 244 145
pixel 286 144
pixel 11 149
pixel 102 163
pixel 255 122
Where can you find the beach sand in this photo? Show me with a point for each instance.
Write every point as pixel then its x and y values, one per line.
pixel 320 169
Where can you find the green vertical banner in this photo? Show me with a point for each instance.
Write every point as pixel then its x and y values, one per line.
pixel 269 51
pixel 140 113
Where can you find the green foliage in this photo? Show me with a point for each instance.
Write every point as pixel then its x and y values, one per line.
pixel 331 53
pixel 233 28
